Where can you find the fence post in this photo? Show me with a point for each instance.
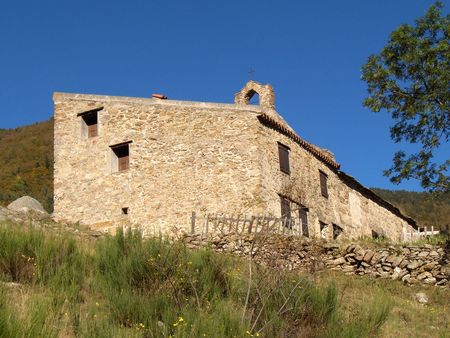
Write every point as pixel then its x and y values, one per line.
pixel 432 230
pixel 250 225
pixel 193 223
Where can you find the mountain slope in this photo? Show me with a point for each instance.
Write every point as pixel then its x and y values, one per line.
pixel 423 207
pixel 26 157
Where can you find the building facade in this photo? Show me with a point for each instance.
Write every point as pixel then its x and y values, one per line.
pixel 151 162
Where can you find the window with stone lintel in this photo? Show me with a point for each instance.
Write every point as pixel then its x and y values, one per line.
pixel 89 123
pixel 120 156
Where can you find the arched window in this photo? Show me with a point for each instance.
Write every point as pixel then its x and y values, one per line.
pixel 252 97
pixel 256 93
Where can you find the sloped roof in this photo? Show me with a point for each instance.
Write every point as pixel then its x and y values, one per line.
pixel 285 130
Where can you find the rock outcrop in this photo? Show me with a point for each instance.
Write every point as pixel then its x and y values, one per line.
pixel 25 204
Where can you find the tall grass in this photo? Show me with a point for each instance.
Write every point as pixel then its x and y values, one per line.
pixel 130 287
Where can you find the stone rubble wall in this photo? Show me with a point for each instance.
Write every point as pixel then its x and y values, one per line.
pixel 196 156
pixel 183 157
pixel 428 264
pixel 345 206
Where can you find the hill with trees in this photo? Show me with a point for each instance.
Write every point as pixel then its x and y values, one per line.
pixel 427 209
pixel 26 154
pixel 26 157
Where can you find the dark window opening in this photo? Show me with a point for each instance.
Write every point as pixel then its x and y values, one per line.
pixel 90 123
pixel 323 229
pixel 283 152
pixel 323 184
pixel 337 230
pixel 121 157
pixel 377 235
pixel 252 97
pixel 125 211
pixel 304 219
pixel 285 207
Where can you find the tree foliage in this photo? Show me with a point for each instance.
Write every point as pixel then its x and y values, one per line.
pixel 410 79
pixel 26 157
pixel 427 209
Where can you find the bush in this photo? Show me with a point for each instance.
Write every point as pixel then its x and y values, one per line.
pixel 131 287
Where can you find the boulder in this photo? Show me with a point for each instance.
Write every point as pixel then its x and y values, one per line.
pixel 430 280
pixel 396 274
pixel 25 204
pixel 337 261
pixel 368 256
pixel 413 265
pixel 397 260
pixel 424 275
pixel 406 278
pixel 421 298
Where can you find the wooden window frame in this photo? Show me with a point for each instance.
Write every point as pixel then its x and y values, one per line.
pixel 323 178
pixel 89 120
pixel 303 215
pixel 285 205
pixel 120 156
pixel 283 158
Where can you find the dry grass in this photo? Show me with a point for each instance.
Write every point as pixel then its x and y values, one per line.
pixel 407 318
pixel 124 286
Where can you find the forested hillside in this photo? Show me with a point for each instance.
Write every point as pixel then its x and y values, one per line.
pixel 26 157
pixel 423 207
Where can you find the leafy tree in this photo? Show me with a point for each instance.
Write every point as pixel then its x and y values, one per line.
pixel 410 79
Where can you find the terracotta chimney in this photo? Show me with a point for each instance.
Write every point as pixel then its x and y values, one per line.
pixel 159 96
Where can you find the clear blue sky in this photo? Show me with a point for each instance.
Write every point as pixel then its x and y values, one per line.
pixel 310 51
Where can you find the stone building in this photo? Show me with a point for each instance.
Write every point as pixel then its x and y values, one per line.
pixel 152 161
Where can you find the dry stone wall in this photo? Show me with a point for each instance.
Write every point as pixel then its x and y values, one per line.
pixel 410 264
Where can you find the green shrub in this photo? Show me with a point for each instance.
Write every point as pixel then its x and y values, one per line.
pixel 126 286
pixel 367 324
pixel 8 322
pixel 27 255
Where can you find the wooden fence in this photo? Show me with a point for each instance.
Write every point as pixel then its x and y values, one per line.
pixel 214 223
pixel 421 233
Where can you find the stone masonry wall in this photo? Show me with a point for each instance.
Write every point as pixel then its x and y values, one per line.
pixel 346 207
pixel 184 157
pixel 195 156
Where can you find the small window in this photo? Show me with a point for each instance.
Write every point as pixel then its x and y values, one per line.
pixel 283 152
pixel 252 97
pixel 323 229
pixel 323 184
pixel 125 211
pixel 89 123
pixel 285 207
pixel 337 230
pixel 120 157
pixel 304 219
